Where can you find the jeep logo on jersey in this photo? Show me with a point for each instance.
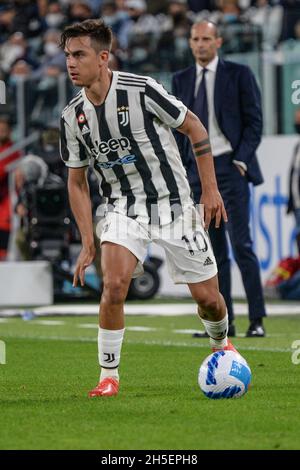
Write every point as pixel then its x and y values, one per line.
pixel 123 112
pixel 113 145
pixel 120 161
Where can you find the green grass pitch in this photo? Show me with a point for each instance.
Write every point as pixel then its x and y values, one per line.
pixel 50 368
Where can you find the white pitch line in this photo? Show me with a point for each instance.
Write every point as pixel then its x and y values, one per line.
pixel 163 309
pixel 128 328
pixel 81 339
pixel 140 328
pixel 148 343
pixel 95 326
pixel 239 335
pixel 88 325
pixel 187 332
pixel 205 346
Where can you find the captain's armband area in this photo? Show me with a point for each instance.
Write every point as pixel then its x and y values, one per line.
pixel 202 148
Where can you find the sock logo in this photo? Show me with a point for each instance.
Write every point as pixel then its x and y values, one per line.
pixel 110 357
pixel 221 334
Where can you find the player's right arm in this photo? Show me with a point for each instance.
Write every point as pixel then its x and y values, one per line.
pixel 79 197
pixel 74 155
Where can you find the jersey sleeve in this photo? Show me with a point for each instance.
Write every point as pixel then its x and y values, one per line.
pixel 72 150
pixel 166 107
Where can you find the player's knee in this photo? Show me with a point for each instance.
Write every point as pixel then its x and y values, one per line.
pixel 115 290
pixel 208 301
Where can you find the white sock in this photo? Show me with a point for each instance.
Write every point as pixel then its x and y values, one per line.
pixel 109 373
pixel 217 331
pixel 109 351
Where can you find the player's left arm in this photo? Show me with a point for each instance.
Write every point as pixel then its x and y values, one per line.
pixel 211 198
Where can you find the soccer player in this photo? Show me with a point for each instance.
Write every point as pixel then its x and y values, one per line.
pixel 119 123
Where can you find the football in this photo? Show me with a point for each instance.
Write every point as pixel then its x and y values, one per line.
pixel 224 374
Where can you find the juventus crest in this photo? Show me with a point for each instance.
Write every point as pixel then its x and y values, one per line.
pixel 123 113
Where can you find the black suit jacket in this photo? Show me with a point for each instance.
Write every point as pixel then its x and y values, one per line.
pixel 238 112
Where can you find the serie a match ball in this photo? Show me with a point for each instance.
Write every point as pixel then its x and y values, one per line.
pixel 224 374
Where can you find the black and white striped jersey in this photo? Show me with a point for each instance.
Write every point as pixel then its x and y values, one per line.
pixel 129 143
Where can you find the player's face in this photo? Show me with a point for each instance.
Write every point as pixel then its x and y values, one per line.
pixel 204 43
pixel 84 63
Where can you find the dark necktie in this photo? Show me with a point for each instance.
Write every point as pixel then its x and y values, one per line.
pixel 200 104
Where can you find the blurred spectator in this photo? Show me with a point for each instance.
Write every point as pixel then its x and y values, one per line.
pixel 15 48
pixel 27 19
pixel 96 6
pixel 140 23
pixel 292 44
pixel 19 79
pixel 55 17
pixel 291 9
pixel 112 16
pixel 41 85
pixel 46 106
pixel 173 46
pixel 269 18
pixel 178 16
pixel 239 35
pixel 20 69
pixel 199 5
pixel 53 55
pixel 227 14
pixel 7 14
pixel 230 12
pixel 294 183
pixel 5 204
pixel 155 7
pixel 139 35
pixel 79 10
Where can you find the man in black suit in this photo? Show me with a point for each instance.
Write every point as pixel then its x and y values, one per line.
pixel 225 96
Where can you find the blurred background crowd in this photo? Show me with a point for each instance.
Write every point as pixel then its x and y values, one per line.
pixel 150 37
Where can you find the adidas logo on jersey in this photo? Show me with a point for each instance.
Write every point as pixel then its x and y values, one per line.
pixel 85 130
pixel 208 262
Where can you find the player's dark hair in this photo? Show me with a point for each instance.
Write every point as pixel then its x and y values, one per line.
pixel 97 30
